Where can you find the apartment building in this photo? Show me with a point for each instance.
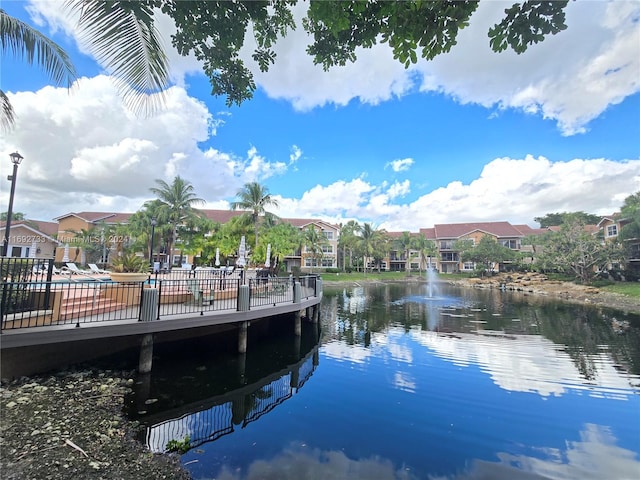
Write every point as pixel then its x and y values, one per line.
pixel 611 226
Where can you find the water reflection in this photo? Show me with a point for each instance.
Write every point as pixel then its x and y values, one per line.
pixel 212 415
pixel 449 384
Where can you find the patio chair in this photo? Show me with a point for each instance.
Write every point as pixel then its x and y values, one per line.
pixel 95 269
pixel 193 287
pixel 73 269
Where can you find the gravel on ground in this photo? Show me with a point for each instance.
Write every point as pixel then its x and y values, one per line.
pixel 71 425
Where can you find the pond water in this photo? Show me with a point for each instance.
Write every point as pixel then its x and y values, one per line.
pixel 407 381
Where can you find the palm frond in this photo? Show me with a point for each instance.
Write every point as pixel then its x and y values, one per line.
pixel 123 38
pixel 25 42
pixel 7 117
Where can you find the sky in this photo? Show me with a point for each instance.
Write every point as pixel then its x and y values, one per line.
pixel 471 136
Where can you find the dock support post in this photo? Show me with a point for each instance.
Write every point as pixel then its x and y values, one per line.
pixel 242 337
pixel 242 368
pixel 146 354
pixel 297 325
pixel 316 314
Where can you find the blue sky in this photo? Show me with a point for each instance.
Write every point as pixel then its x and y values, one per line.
pixel 470 136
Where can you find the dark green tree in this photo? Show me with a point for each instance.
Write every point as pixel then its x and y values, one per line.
pixel 486 254
pixel 123 37
pixel 557 219
pixel 576 251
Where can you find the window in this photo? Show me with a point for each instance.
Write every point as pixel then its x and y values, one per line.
pixel 468 266
pixel 612 230
pixel 450 257
pixel 328 235
pixel 512 244
pixel 310 262
pixel 327 249
pixel 446 245
pixel 327 262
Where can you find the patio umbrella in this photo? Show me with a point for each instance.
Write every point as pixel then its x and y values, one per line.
pixel 242 250
pixel 65 257
pixel 217 257
pixel 32 250
pixel 267 262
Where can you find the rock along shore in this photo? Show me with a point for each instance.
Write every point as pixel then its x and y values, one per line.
pixel 72 425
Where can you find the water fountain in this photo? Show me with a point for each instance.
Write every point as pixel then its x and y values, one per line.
pixel 432 280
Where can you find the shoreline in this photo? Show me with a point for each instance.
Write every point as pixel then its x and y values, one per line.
pixel 528 284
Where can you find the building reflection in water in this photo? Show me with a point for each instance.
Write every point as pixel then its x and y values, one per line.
pixel 208 419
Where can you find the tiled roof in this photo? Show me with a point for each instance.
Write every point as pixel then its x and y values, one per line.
pixel 527 230
pixel 429 233
pixel 48 228
pixel 457 230
pixel 96 217
pixel 221 216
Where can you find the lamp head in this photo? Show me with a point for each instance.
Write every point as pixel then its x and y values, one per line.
pixel 153 222
pixel 16 158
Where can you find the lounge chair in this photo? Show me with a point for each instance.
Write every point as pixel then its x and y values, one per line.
pixel 94 269
pixel 193 287
pixel 73 269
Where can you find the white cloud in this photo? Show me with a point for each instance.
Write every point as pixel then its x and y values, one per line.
pixel 295 155
pixel 84 151
pixel 597 57
pixel 514 190
pixel 400 165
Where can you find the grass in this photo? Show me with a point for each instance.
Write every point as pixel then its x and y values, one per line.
pixel 386 276
pixel 630 289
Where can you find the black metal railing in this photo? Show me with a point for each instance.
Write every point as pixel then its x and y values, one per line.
pixel 41 301
pixel 270 291
pixel 197 295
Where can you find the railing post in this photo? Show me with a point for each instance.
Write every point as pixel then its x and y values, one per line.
pixel 148 304
pixel 297 292
pixel 243 298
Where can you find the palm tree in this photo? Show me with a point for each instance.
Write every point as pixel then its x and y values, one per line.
pixel 348 241
pixel 25 42
pixel 404 244
pixel 255 198
pixel 314 242
pixel 426 248
pixel 177 203
pixel 371 237
pixel 121 35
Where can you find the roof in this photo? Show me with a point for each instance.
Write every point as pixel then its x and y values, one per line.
pixel 527 230
pixel 458 230
pixel 96 217
pixel 429 233
pixel 221 216
pixel 48 229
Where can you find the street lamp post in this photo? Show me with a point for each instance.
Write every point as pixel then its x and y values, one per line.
pixel 16 158
pixel 153 234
